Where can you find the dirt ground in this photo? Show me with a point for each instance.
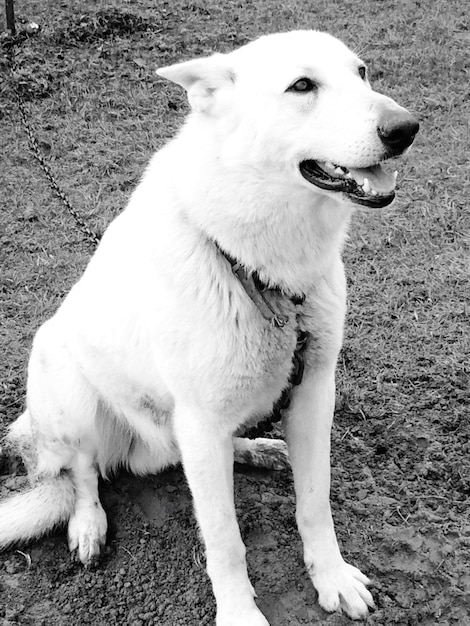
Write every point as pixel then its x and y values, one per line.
pixel 401 440
pixel 152 571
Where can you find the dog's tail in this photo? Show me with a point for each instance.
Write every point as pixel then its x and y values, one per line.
pixel 34 512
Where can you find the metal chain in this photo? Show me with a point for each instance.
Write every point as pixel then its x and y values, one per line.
pixel 92 236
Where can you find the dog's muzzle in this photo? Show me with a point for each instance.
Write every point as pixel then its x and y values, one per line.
pixel 369 186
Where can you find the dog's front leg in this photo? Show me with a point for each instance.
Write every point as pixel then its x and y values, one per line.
pixel 207 457
pixel 308 427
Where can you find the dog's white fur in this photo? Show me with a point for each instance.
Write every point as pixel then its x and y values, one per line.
pixel 158 355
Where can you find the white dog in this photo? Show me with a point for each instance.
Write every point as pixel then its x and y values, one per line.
pixel 184 326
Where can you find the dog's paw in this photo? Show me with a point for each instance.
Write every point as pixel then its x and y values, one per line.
pixel 87 533
pixel 261 452
pixel 343 587
pixel 250 617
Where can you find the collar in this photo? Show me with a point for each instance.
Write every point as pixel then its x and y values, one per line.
pixel 256 289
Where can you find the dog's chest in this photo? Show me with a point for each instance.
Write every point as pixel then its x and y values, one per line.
pixel 262 359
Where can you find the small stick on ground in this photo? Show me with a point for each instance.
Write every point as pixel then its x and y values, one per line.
pixel 10 11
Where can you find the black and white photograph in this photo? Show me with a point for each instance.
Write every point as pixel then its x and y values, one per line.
pixel 234 313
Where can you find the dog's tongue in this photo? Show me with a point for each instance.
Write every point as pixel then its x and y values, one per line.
pixel 379 179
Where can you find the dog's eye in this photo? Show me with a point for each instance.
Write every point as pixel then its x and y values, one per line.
pixel 302 85
pixel 362 71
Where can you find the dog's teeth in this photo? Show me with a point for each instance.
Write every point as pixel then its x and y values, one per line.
pixel 348 175
pixel 339 171
pixel 395 175
pixel 366 185
pixel 373 192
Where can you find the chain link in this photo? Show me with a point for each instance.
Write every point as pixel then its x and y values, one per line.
pixel 92 236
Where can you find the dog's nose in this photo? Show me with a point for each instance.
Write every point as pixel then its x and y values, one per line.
pixel 397 131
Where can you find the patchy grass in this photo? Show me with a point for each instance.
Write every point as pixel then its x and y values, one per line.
pixel 402 428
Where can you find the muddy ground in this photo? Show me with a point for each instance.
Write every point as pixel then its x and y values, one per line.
pixel 152 571
pixel 401 451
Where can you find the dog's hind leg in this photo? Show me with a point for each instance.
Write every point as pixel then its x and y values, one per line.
pixel 88 524
pixel 48 502
pixel 261 452
pixel 63 409
pixel 207 456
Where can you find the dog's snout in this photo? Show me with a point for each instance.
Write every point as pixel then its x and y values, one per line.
pixel 397 131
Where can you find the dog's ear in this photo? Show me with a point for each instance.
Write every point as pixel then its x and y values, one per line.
pixel 202 79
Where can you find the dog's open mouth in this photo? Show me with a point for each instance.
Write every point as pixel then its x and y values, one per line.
pixel 370 186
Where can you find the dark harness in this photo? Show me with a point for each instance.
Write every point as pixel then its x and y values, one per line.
pixel 256 290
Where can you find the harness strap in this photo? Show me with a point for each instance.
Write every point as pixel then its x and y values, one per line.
pixel 255 290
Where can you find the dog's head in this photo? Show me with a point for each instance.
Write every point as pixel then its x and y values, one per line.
pixel 300 106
